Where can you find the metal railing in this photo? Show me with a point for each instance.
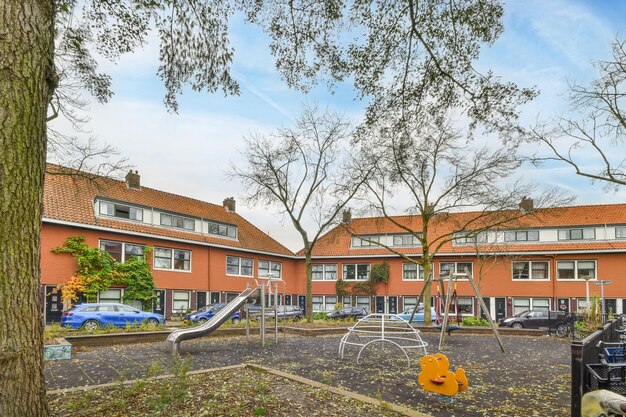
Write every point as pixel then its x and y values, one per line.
pixel 587 351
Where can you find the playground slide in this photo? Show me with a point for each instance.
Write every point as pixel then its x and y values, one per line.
pixel 172 344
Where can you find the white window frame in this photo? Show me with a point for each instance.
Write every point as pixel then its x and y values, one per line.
pixel 360 302
pixel 419 270
pixel 531 303
pixel 516 233
pixel 270 269
pixel 414 240
pixel 576 261
pixel 325 272
pixel 406 305
pixel 104 206
pixel 238 274
pixel 172 259
pixel 456 267
pixel 568 233
pixel 124 257
pixel 230 231
pixel 356 272
pixel 470 238
pixel 453 307
pixel 530 271
pixel 358 242
pixel 172 226
pixel 175 310
pixel 620 232
pixel 121 292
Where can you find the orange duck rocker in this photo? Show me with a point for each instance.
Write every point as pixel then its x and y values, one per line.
pixel 436 376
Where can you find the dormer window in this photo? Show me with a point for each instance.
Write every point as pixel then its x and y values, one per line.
pixel 620 232
pixel 405 240
pixel 365 241
pixel 470 238
pixel 521 236
pixel 177 221
pixel 222 230
pixel 577 234
pixel 120 210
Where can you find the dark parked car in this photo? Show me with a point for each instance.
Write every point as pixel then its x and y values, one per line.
pixel 348 313
pixel 283 313
pixel 536 319
pixel 206 313
pixel 92 316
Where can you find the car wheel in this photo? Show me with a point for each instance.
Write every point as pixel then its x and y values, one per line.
pixel 91 325
pixel 517 326
pixel 562 330
pixel 152 322
pixel 202 321
pixel 236 320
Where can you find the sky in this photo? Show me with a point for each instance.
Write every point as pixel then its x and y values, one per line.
pixel 545 44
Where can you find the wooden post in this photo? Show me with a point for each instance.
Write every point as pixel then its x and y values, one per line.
pixel 483 306
pixel 445 313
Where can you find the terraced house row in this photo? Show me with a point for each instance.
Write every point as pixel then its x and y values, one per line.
pixel 206 253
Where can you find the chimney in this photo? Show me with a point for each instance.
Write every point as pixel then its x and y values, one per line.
pixel 347 217
pixel 526 205
pixel 229 204
pixel 133 180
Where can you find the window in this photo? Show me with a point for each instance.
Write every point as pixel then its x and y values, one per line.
pixel 542 304
pixel 120 251
pixel 446 268
pixel 347 301
pixel 181 301
pixel 410 272
pixel 409 302
pixel 318 303
pixel 577 234
pixel 177 221
pixel 223 230
pixel 174 259
pixel 405 240
pixel 581 305
pixel 121 211
pixel 468 237
pixel 521 235
pixel 530 270
pixel 363 301
pixel 575 269
pixel 112 295
pixel 331 302
pixel 620 232
pixel 466 306
pixel 365 241
pixel 520 304
pixel 239 266
pixel 360 272
pixel 267 267
pixel 324 272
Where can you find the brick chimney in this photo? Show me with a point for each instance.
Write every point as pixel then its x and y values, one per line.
pixel 229 204
pixel 347 217
pixel 133 180
pixel 527 205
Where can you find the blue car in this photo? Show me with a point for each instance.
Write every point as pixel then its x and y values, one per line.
pixel 418 318
pixel 92 316
pixel 204 314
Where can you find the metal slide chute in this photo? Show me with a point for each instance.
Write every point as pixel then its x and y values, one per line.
pixel 172 344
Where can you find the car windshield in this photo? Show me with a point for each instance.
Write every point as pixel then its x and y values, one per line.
pixel 409 310
pixel 203 309
pixel 522 314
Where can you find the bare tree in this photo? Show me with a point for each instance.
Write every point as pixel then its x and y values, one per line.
pixel 456 189
pixel 300 171
pixel 598 135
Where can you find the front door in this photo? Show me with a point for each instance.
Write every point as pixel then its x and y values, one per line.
pixel 563 304
pixel 380 305
pixel 302 302
pixel 500 308
pixel 158 304
pixel 215 297
pixel 287 299
pixel 392 304
pixel 54 304
pixel 200 299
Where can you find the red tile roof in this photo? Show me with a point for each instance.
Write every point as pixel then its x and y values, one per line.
pixel 337 242
pixel 70 198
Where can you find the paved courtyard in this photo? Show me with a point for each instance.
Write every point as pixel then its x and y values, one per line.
pixel 531 379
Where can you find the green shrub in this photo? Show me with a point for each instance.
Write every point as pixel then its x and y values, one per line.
pixel 474 321
pixel 320 315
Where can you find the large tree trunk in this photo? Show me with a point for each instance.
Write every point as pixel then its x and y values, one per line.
pixel 309 284
pixel 26 82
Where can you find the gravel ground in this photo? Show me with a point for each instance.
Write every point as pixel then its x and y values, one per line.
pixel 531 379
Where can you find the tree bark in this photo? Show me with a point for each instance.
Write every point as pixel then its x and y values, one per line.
pixel 309 283
pixel 26 83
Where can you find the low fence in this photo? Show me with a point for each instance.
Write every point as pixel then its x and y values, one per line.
pixel 585 352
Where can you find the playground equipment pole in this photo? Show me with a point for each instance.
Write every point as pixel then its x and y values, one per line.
pixel 247 310
pixel 262 324
pixel 276 312
pixel 444 326
pixel 418 302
